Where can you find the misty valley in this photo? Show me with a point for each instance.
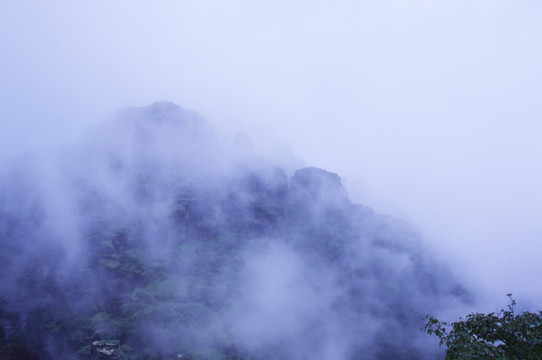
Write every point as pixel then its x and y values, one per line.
pixel 151 239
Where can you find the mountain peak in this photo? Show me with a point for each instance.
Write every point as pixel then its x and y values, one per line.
pixel 148 236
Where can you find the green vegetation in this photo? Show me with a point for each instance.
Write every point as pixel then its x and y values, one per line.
pixel 494 336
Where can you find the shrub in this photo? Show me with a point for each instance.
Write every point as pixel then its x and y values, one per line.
pixel 501 335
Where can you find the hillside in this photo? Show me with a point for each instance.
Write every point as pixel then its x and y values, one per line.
pixel 149 239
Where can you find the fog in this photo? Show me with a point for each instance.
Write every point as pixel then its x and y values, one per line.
pixel 149 238
pixel 429 110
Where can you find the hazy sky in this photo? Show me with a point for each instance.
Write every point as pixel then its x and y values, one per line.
pixel 431 110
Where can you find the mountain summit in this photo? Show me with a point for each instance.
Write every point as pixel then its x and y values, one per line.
pixel 147 241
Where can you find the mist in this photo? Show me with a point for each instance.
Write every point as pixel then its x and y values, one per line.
pixel 429 112
pixel 150 238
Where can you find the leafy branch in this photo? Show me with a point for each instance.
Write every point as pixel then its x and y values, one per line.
pixel 493 336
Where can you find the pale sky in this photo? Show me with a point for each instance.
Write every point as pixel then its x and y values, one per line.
pixel 430 110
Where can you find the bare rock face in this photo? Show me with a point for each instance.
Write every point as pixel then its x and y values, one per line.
pixel 319 185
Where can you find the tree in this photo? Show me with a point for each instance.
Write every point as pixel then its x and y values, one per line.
pixel 498 336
